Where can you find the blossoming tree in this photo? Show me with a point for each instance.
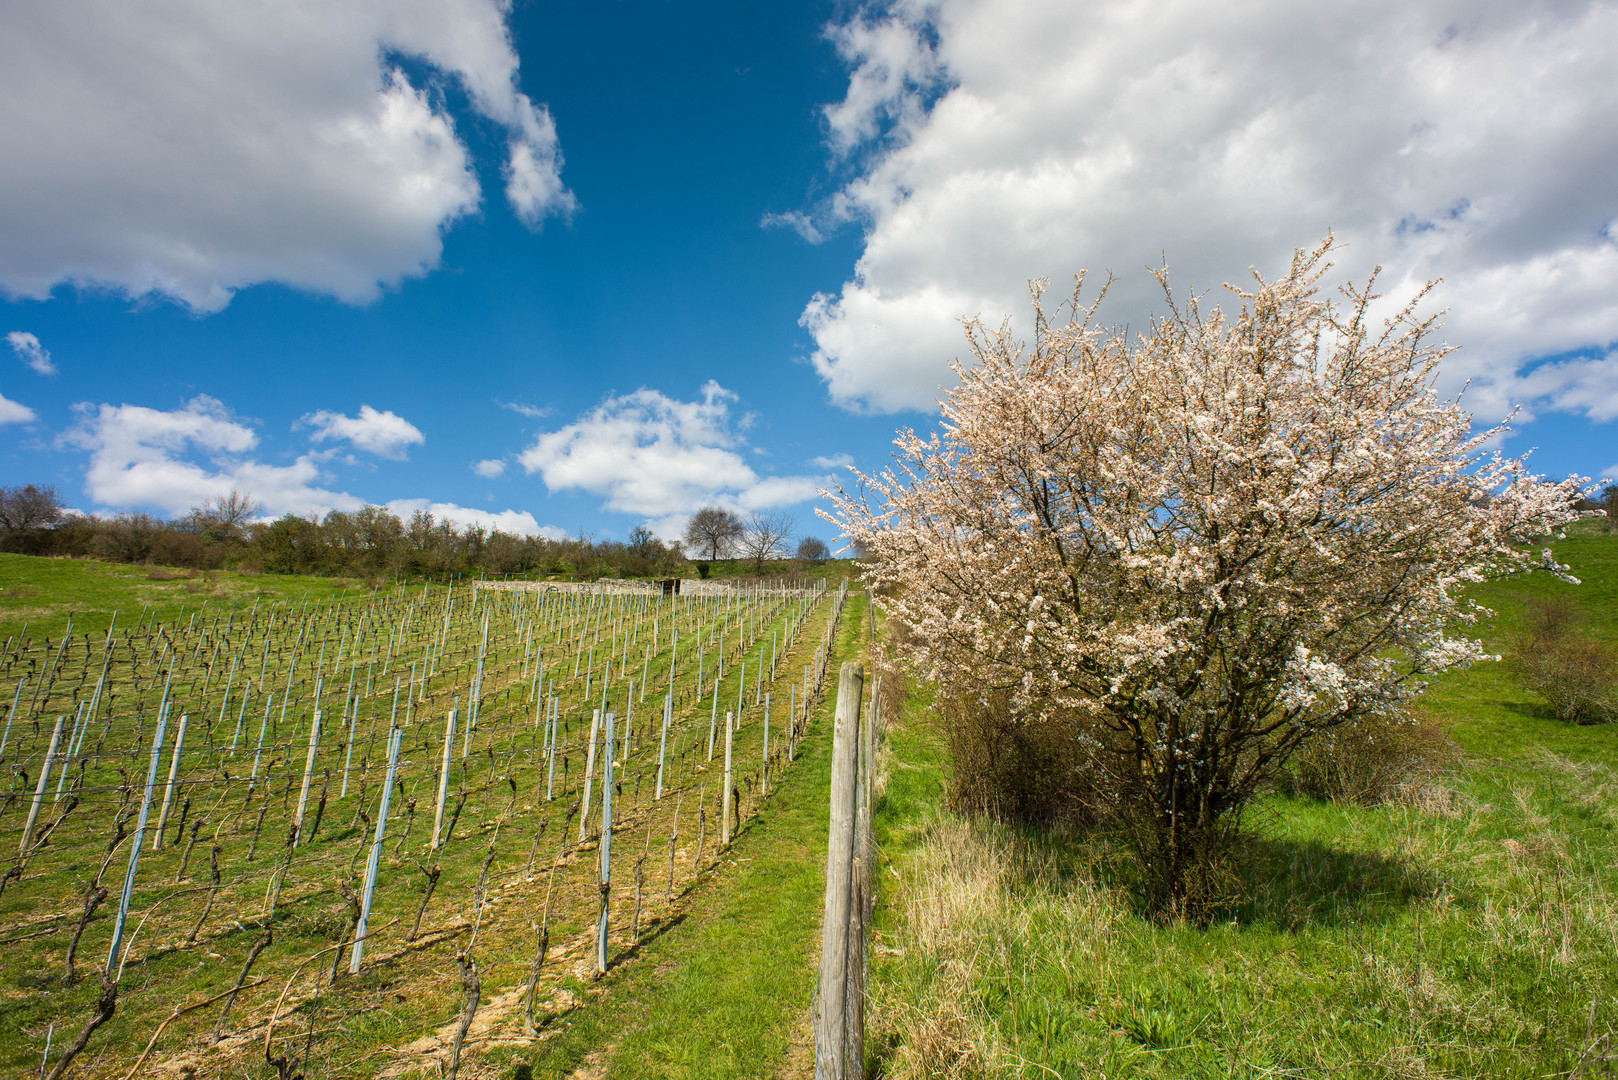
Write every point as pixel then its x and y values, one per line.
pixel 1202 545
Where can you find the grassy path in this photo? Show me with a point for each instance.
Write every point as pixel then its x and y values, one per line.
pixel 722 992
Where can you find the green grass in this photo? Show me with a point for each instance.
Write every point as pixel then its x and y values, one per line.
pixel 1470 929
pixel 41 593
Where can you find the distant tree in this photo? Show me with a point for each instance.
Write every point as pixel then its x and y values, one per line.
pixel 29 507
pixel 236 512
pixel 27 514
pixel 291 545
pixel 764 536
pixel 643 543
pixel 380 532
pixel 812 549
pixel 713 532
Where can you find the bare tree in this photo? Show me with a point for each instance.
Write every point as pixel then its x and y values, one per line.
pixel 29 507
pixel 225 517
pixel 643 543
pixel 235 510
pixel 812 549
pixel 765 537
pixel 712 532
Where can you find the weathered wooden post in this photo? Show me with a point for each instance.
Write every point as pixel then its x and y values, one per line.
pixel 134 845
pixel 860 915
pixel 839 1051
pixel 352 724
pixel 17 696
pixel 74 738
pixel 590 773
pixel 550 761
pixel 629 719
pixel 258 754
pixel 168 790
pixel 724 824
pixel 39 791
pixel 663 743
pixel 443 778
pixel 241 716
pixel 229 682
pixel 308 774
pixel 376 854
pixel 606 856
pixel 713 718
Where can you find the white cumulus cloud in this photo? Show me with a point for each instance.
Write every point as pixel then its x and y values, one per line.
pixel 894 68
pixel 385 434
pixel 189 149
pixel 1001 140
pixel 1584 384
pixel 511 522
pixel 175 459
pixel 171 460
pixel 13 412
pixel 658 457
pixel 489 468
pixel 31 352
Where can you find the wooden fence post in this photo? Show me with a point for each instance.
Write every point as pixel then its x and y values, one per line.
pixel 606 855
pixel 838 1050
pixel 663 742
pixel 362 926
pixel 168 791
pixel 39 791
pixel 134 846
pixel 589 773
pixel 443 777
pixel 725 834
pixel 308 774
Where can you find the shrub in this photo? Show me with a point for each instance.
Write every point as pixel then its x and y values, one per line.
pixel 1369 760
pixel 127 538
pixel 174 548
pixel 1019 768
pixel 1557 659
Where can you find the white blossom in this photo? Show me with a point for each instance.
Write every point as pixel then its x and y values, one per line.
pixel 1244 526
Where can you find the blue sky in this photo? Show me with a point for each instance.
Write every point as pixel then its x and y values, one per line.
pixel 579 268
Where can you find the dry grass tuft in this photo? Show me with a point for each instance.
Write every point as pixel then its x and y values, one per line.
pixel 945 1039
pixel 1429 795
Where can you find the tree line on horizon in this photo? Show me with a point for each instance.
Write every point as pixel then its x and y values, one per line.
pixel 229 532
